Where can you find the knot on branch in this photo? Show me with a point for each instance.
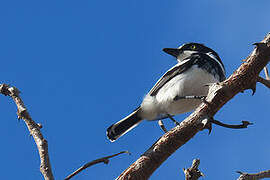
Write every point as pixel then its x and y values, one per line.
pixel 14 91
pixel 22 112
pixel 9 91
pixel 4 89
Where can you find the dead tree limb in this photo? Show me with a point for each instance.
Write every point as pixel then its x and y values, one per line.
pixel 104 160
pixel 245 77
pixel 34 129
pixel 256 176
pixel 193 173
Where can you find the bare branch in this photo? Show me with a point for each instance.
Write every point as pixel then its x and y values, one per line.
pixel 104 160
pixel 264 81
pixel 239 126
pixel 245 77
pixel 260 175
pixel 34 129
pixel 193 173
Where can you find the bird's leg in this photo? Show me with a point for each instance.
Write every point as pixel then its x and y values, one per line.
pixel 175 122
pixel 162 126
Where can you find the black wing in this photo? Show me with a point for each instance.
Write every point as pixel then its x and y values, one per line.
pixel 210 64
pixel 171 73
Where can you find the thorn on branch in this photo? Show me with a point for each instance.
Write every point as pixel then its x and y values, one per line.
pixel 253 88
pixel 207 125
pixel 259 44
pixel 104 160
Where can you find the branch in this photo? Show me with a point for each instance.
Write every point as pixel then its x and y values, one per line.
pixel 260 175
pixel 193 173
pixel 238 126
pixel 264 81
pixel 104 160
pixel 245 77
pixel 34 129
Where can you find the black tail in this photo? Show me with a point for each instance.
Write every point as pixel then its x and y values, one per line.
pixel 123 126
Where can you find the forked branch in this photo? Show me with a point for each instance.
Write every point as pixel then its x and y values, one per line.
pixel 104 160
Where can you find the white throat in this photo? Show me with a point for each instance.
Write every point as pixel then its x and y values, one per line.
pixel 184 55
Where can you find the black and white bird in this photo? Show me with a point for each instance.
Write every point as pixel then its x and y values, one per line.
pixel 197 66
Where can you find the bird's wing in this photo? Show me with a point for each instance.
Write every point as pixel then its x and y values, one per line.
pixel 171 73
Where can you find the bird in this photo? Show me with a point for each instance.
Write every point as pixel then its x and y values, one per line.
pixel 197 66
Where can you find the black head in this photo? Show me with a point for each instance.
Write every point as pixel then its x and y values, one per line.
pixel 188 49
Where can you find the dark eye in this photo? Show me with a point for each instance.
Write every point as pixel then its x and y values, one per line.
pixel 193 47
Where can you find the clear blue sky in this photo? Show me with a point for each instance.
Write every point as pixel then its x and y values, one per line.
pixel 83 65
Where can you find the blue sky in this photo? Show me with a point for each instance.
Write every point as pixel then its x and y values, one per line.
pixel 83 65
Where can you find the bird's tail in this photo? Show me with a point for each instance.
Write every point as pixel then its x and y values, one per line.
pixel 123 126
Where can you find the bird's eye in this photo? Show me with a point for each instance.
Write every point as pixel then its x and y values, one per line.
pixel 193 47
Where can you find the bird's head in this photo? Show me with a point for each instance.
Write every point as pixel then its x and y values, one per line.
pixel 188 49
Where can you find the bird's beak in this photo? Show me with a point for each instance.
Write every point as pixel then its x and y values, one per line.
pixel 172 51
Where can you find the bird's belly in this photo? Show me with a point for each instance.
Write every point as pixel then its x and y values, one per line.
pixel 191 83
pixel 181 106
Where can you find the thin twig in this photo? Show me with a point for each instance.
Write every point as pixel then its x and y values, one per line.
pixel 264 81
pixel 256 176
pixel 104 160
pixel 34 129
pixel 193 173
pixel 232 126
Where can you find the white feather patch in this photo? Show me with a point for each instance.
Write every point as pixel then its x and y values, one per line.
pixel 149 107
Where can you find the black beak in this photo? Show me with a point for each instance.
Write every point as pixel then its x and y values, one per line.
pixel 172 51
